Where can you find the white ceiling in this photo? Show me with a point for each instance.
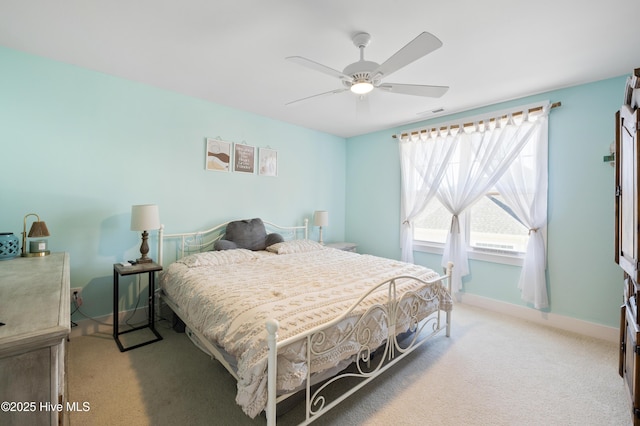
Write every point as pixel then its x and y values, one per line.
pixel 232 52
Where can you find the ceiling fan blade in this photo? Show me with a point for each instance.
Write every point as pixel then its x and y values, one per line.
pixel 420 46
pixel 319 95
pixel 415 89
pixel 318 67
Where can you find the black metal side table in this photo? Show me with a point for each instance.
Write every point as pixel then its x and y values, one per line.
pixel 140 268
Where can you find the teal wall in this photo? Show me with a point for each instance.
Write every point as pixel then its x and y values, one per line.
pixel 79 148
pixel 583 282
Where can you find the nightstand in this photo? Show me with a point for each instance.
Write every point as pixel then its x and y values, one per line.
pixel 140 268
pixel 343 246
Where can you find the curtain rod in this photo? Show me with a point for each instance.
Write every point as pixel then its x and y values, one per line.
pixel 455 126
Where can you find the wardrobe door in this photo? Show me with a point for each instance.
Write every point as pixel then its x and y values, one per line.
pixel 627 191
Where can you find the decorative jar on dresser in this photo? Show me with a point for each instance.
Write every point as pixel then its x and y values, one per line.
pixel 9 245
pixel 34 308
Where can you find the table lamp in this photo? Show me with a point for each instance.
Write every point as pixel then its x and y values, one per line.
pixel 321 218
pixel 38 230
pixel 144 217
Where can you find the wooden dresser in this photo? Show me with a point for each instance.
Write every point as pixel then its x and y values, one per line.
pixel 627 242
pixel 34 306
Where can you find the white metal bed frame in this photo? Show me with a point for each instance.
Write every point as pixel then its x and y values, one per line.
pixel 391 351
pixel 196 242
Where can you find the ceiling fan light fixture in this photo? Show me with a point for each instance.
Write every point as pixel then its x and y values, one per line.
pixel 361 87
pixel 363 76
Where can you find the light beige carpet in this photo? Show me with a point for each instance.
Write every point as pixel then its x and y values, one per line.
pixel 493 370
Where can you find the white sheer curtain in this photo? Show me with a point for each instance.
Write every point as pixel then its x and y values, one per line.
pixel 475 160
pixel 423 161
pixel 524 187
pixel 483 155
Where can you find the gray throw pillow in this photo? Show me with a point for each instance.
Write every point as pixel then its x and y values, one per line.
pixel 273 238
pixel 247 234
pixel 224 245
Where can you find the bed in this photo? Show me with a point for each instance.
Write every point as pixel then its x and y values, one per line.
pixel 288 316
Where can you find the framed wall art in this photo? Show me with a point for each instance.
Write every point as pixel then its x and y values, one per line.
pixel 244 158
pixel 268 162
pixel 218 155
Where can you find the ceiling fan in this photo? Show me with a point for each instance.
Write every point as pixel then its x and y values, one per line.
pixel 364 76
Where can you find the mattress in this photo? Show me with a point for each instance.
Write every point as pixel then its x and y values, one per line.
pixel 229 295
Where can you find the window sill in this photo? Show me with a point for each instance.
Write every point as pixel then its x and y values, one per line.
pixel 493 256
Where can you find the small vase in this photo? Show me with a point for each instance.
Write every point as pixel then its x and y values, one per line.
pixel 9 245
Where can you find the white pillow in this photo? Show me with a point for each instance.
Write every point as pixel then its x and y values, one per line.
pixel 295 246
pixel 214 258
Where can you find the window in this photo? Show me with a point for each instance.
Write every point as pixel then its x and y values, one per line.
pixel 492 226
pixel 433 224
pixel 493 172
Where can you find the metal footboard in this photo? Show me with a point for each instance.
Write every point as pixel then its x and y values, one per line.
pixel 423 316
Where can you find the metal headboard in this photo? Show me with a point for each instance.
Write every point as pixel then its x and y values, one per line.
pixel 199 241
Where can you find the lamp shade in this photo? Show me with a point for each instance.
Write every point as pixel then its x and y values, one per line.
pixel 321 218
pixel 38 229
pixel 145 217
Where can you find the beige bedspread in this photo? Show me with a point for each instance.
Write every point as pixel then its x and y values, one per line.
pixel 229 295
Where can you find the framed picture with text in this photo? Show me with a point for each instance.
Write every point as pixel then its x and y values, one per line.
pixel 244 158
pixel 218 155
pixel 268 162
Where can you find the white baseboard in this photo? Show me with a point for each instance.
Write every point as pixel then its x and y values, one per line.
pixel 104 324
pixel 598 331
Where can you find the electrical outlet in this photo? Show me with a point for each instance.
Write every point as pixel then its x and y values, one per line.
pixel 76 296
